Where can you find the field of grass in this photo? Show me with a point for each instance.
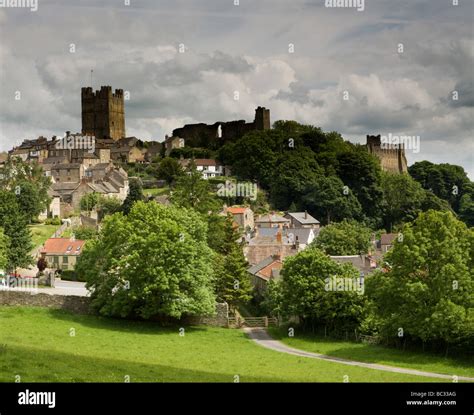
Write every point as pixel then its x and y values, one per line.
pixel 36 344
pixel 40 233
pixel 455 365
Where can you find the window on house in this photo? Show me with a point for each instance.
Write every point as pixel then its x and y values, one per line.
pixel 65 260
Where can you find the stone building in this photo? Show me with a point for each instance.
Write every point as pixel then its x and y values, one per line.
pixel 62 253
pixel 103 113
pixel 392 159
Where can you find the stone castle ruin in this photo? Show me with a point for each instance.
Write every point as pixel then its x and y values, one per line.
pixel 215 135
pixel 103 116
pixel 392 160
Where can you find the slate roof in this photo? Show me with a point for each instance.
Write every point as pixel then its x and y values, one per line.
pixel 273 218
pixel 304 218
pixel 267 268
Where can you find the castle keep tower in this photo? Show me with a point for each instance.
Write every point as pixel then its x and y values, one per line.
pixel 103 113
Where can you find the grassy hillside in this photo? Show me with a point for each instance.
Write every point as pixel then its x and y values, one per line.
pixel 37 344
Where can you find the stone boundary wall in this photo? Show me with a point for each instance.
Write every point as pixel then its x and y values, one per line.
pixel 81 305
pixel 72 303
pixel 220 319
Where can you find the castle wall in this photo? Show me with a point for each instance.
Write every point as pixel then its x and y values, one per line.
pixel 206 135
pixel 392 160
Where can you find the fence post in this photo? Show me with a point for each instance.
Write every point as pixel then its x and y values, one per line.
pixel 266 321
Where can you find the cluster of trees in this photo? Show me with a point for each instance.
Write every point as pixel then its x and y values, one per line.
pixel 29 184
pixel 424 294
pixel 15 238
pixel 344 238
pixel 449 183
pixel 23 196
pixel 304 168
pixel 104 205
pixel 150 259
pixel 427 293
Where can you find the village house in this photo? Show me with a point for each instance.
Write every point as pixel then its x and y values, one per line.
pixel 365 264
pixel 173 142
pixel 302 220
pixel 62 253
pixel 128 150
pixel 104 179
pixel 266 270
pixel 272 220
pixel 54 208
pixel 243 217
pixel 67 173
pixel 386 241
pixel 208 167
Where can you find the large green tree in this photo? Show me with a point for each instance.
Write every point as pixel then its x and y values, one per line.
pixel 169 170
pixel 29 183
pixel 403 199
pixel 29 199
pixel 361 172
pixel 294 172
pixel 344 238
pixel 232 281
pixel 192 191
pixel 135 194
pixel 447 181
pixel 427 293
pixel 154 261
pixel 307 290
pixel 329 199
pixel 15 226
pixel 4 246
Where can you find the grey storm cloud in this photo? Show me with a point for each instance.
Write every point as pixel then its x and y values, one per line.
pixel 245 48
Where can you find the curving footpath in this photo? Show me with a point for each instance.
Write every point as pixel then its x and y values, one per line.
pixel 262 338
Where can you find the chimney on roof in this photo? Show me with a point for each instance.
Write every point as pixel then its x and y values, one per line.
pixel 277 257
pixel 306 214
pixel 279 238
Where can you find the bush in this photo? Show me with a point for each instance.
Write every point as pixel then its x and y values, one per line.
pixel 85 233
pixel 53 221
pixel 70 275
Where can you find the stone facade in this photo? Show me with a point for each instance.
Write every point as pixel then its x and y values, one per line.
pixel 103 113
pixel 392 160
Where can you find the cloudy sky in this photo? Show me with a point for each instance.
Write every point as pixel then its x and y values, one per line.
pixel 47 56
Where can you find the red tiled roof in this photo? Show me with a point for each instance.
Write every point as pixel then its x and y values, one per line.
pixel 205 162
pixel 63 246
pixel 236 210
pixel 266 273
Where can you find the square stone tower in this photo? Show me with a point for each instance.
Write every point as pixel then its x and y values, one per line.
pixel 103 113
pixel 262 119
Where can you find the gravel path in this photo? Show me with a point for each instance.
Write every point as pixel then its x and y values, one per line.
pixel 262 338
